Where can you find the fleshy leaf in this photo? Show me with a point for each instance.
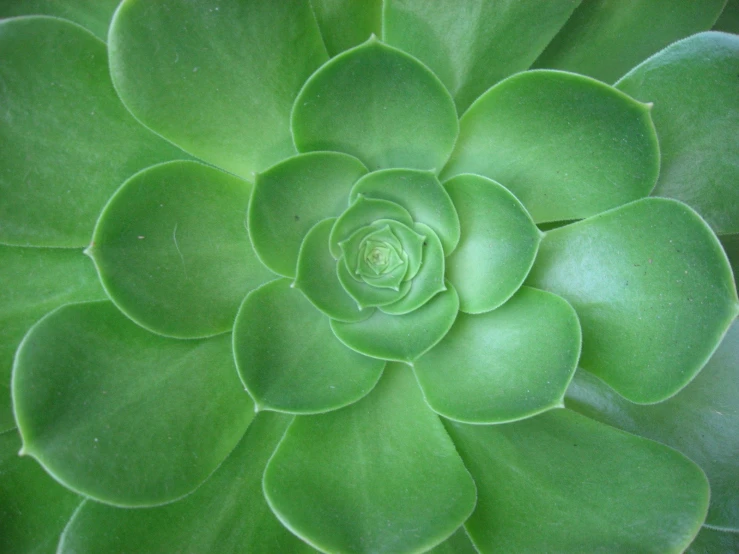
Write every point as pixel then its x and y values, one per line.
pixel 120 414
pixel 402 338
pixel 227 514
pixel 378 476
pixel 567 146
pixel 94 15
pixel 498 243
pixel 288 358
pixel 364 294
pixel 693 85
pixel 347 23
pixel 713 541
pixel 560 482
pixel 380 105
pixel 318 280
pixel 66 142
pixel 172 251
pixel 473 44
pixel 604 39
pixel 291 197
pixel 653 291
pixel 34 281
pixel 216 77
pixel 700 421
pixel 419 192
pixel 503 365
pixel 33 508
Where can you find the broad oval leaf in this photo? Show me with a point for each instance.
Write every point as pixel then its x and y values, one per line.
pixel 378 476
pixel 653 301
pixel 122 415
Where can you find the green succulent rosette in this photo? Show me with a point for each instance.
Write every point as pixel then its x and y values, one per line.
pixel 372 276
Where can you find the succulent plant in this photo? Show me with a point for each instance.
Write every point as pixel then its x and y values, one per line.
pixel 369 276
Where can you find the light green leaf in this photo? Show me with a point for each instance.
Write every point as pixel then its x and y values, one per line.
pixel 122 415
pixel 701 421
pixel 498 245
pixel 33 508
pixel 34 281
pixel 560 482
pixel 93 15
pixel 288 358
pixel 402 338
pixel 693 85
pixel 366 295
pixel 712 541
pixel 380 105
pixel 419 192
pixel 653 291
pixel 347 23
pixel 227 514
pixel 172 251
pixel 291 197
pixel 567 146
pixel 378 476
pixel 604 39
pixel 473 44
pixel 66 142
pixel 216 77
pixel 503 365
pixel 318 280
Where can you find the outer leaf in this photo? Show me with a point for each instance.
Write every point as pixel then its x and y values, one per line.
pixel 34 281
pixel 33 508
pixel 606 38
pixel 66 142
pixel 458 543
pixel 498 246
pixel 378 476
pixel 473 44
pixel 347 23
pixel 380 105
pixel 712 541
pixel 122 415
pixel 567 146
pixel 653 291
pixel 701 421
pixel 228 514
pixel 216 77
pixel 729 19
pixel 560 482
pixel 171 249
pixel 696 110
pixel 94 15
pixel 730 243
pixel 402 338
pixel 291 197
pixel 288 358
pixel 503 365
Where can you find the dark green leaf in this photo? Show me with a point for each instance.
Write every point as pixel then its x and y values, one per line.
pixel 94 15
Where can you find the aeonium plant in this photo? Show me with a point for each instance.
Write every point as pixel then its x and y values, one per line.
pixel 370 276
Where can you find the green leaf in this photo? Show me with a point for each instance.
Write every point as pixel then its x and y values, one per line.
pixel 701 421
pixel 498 245
pixel 227 514
pixel 288 358
pixel 172 251
pixel 713 541
pixel 419 192
pixel 380 105
pixel 729 21
pixel 567 146
pixel 366 295
pixel 504 365
pixel 93 15
pixel 318 280
pixel 33 508
pixel 730 244
pixel 473 44
pixel 604 39
pixel 347 23
pixel 402 338
pixel 653 291
pixel 291 197
pixel 693 85
pixel 216 77
pixel 121 415
pixel 66 142
pixel 378 476
pixel 458 543
pixel 560 482
pixel 34 281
